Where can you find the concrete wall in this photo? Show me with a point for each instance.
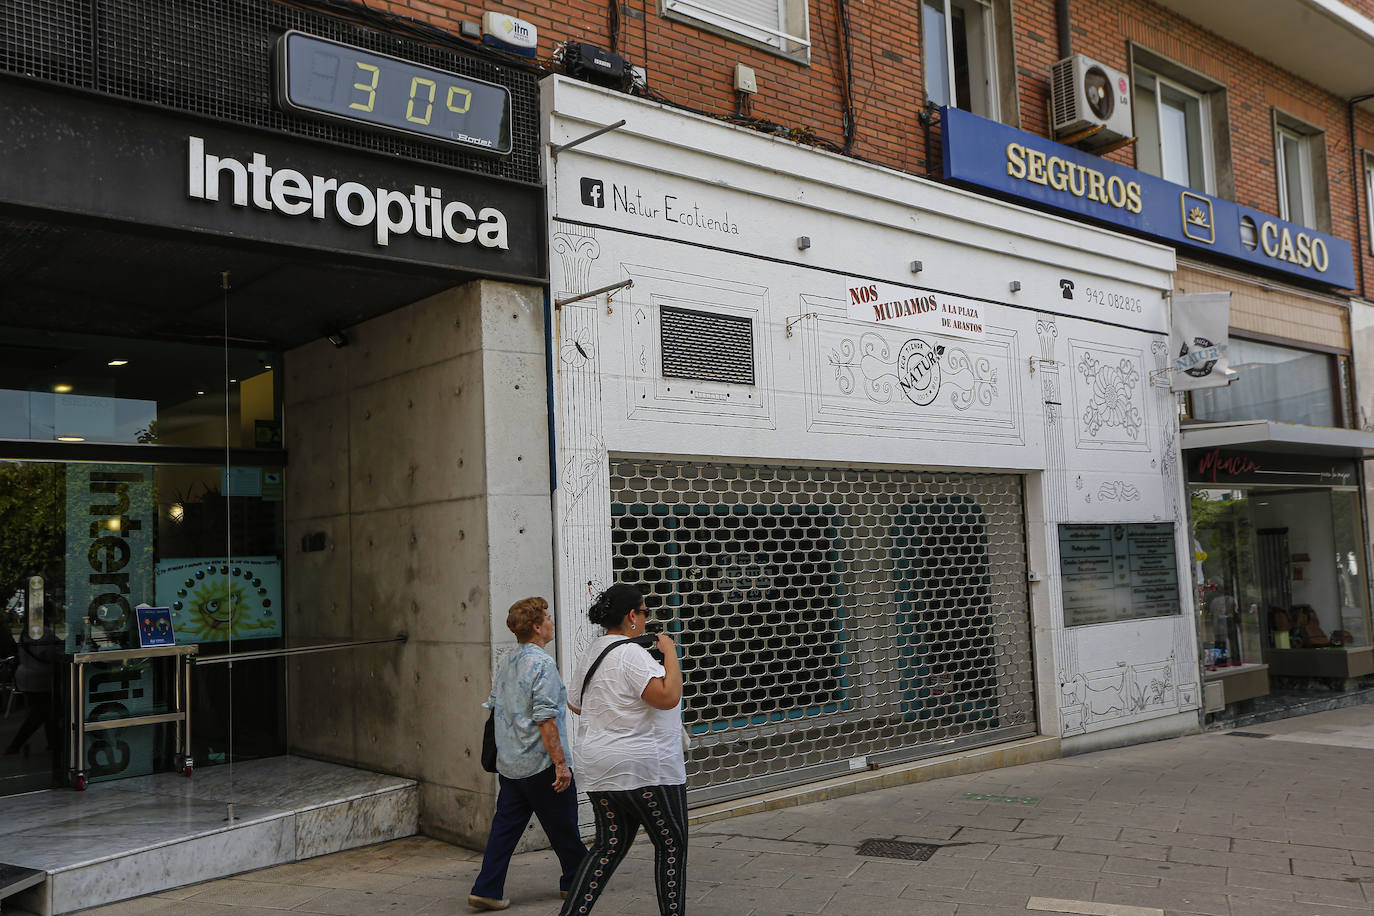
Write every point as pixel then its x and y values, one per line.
pixel 420 450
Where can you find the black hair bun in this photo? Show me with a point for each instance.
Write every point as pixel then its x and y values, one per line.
pixel 612 605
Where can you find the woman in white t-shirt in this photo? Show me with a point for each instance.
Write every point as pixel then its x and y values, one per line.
pixel 628 752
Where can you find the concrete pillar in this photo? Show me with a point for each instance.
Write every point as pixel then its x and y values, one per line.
pixel 420 452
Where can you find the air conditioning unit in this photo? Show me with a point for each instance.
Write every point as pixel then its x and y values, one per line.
pixel 1085 95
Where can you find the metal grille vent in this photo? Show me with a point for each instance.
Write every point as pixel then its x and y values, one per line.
pixel 830 616
pixel 897 849
pixel 706 346
pixel 211 58
pixel 1064 92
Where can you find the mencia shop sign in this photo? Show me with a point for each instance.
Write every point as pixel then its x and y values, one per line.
pixel 421 210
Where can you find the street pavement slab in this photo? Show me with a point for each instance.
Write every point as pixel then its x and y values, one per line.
pixel 1278 821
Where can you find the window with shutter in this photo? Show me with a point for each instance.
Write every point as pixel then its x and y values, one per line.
pixel 777 25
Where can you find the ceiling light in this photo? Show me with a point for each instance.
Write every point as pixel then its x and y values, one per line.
pixel 71 438
pixel 118 362
pixel 62 388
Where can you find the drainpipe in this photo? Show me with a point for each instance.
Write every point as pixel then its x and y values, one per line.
pixel 1061 18
pixel 1357 179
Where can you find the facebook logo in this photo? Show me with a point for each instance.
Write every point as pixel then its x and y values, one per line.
pixel 593 192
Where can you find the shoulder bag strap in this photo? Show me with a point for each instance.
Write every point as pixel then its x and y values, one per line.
pixel 596 664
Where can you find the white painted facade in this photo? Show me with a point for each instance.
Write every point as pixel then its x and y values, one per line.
pixel 707 216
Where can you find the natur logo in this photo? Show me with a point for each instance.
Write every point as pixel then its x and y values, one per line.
pixel 593 192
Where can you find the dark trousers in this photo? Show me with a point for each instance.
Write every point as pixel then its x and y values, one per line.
pixel 662 811
pixel 40 715
pixel 557 813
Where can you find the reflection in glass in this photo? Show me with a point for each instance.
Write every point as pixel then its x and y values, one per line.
pixel 71 388
pixel 1275 383
pixel 1229 592
pixel 87 543
pixel 935 54
pixel 1348 559
pixel 1278 568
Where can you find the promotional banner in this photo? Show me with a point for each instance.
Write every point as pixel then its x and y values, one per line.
pixel 913 309
pixel 214 599
pixel 1198 341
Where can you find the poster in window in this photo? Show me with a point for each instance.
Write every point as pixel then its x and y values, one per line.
pixel 215 599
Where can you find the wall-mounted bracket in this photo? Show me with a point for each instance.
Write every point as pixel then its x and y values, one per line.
pixel 609 289
pixel 556 148
pixel 798 319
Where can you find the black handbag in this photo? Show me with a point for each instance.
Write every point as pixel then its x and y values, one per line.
pixel 489 743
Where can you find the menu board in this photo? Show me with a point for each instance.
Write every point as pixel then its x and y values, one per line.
pixel 1118 572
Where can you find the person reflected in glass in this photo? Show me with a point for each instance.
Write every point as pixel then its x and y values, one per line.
pixel 532 760
pixel 630 753
pixel 34 679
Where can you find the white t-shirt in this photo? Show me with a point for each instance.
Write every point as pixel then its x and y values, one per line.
pixel 622 742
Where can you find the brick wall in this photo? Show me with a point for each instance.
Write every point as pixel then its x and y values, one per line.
pixel 695 68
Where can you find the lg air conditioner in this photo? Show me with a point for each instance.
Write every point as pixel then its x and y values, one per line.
pixel 1090 102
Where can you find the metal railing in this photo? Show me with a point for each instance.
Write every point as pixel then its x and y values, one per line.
pixel 296 650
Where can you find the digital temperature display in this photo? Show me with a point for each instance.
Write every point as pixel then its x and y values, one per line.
pixel 319 77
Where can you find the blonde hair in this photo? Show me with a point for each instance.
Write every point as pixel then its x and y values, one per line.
pixel 525 616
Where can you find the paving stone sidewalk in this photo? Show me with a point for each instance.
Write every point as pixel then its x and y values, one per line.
pixel 1220 824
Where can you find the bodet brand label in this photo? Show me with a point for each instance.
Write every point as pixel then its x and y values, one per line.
pixel 390 212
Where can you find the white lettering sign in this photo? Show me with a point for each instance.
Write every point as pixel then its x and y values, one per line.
pixel 422 211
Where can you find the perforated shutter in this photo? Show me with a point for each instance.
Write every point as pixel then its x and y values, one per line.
pixel 829 614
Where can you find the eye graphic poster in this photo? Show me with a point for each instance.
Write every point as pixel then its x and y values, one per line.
pixel 214 599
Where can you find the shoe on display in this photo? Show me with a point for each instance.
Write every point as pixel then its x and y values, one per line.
pixel 487 903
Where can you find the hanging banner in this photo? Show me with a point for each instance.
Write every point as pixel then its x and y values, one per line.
pixel 1198 341
pixel 916 310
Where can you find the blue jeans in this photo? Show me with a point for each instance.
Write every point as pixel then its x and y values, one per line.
pixel 557 813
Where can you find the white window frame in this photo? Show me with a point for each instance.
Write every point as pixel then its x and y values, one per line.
pixel 724 17
pixel 981 12
pixel 1204 115
pixel 1307 187
pixel 1369 197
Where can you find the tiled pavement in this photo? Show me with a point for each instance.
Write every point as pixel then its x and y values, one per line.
pixel 1210 824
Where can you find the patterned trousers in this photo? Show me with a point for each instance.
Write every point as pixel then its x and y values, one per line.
pixel 662 811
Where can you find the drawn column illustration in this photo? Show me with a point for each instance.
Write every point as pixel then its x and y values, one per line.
pixel 582 498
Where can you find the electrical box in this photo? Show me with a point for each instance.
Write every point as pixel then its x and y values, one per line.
pixel 1213 696
pixel 744 79
pixel 590 63
pixel 1084 95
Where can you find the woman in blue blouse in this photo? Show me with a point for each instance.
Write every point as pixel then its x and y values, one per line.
pixel 532 767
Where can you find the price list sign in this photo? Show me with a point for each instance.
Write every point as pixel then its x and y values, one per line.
pixel 1118 572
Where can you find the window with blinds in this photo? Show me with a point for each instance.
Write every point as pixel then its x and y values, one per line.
pixel 777 25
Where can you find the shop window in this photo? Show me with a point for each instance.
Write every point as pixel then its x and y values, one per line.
pixel 94 540
pixel 1278 569
pixel 1172 124
pixel 1300 160
pixel 780 26
pixel 1275 383
pixel 959 51
pixel 87 388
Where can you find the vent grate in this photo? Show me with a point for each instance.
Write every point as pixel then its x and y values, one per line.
pixel 213 58
pixel 898 849
pixel 706 346
pixel 1248 734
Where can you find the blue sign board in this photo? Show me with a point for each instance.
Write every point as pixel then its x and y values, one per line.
pixel 989 155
